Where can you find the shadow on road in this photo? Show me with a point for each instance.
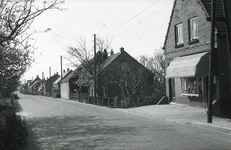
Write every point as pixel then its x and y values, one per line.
pixel 75 132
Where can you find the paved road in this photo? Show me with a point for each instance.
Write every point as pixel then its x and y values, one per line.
pixel 56 124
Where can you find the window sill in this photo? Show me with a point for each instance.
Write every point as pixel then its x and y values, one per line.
pixel 193 41
pixel 179 45
pixel 191 95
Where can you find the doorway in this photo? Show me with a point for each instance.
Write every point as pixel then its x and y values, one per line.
pixel 172 94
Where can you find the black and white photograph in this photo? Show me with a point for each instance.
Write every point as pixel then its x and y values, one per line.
pixel 115 74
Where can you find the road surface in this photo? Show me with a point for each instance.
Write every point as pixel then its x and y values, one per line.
pixel 56 124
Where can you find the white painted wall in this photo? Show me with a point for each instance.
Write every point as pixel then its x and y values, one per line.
pixel 65 90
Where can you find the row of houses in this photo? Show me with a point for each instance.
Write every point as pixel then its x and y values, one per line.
pixel 39 86
pixel 187 50
pixel 79 84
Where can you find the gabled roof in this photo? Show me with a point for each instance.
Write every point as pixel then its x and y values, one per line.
pixel 206 6
pixel 67 77
pixel 54 76
pixel 110 59
pixel 59 79
pixel 34 81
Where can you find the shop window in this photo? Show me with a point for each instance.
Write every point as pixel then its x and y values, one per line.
pixel 193 30
pixel 179 35
pixel 191 86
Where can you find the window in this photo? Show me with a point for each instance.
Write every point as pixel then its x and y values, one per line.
pixel 193 29
pixel 191 86
pixel 179 34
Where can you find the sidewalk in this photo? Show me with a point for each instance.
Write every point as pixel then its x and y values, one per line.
pixel 181 114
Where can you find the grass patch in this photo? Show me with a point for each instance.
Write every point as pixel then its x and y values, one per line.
pixel 13 132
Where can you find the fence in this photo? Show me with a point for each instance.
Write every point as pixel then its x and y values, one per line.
pixel 104 101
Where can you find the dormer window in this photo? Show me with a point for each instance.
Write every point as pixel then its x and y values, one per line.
pixel 193 29
pixel 179 35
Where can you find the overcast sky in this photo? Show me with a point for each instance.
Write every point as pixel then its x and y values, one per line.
pixel 139 26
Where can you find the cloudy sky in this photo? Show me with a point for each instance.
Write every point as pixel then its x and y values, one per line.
pixel 139 26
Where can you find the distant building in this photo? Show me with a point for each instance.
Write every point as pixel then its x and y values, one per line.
pixel 56 84
pixel 48 86
pixel 68 86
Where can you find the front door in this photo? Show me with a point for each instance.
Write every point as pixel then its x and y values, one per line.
pixel 171 89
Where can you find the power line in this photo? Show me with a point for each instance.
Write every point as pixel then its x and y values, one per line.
pixel 122 16
pixel 143 19
pixel 135 16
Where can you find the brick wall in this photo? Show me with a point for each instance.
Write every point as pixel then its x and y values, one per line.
pixel 183 11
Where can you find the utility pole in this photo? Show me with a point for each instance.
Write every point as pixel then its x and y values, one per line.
pixel 95 68
pixel 228 36
pixel 61 64
pixel 50 79
pixel 211 63
pixel 42 82
pixel 61 75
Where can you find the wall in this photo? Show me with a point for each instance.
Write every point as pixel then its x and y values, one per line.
pixel 65 90
pixel 113 71
pixel 183 11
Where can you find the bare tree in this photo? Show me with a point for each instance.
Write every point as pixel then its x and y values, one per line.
pixel 16 17
pixel 82 58
pixel 155 64
pixel 133 82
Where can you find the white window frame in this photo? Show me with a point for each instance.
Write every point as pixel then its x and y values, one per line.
pixel 179 34
pixel 193 28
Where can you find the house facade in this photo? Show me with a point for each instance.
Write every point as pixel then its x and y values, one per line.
pixel 187 53
pixel 122 76
pixel 68 88
pixel 56 84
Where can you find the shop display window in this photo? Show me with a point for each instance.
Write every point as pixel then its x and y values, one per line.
pixel 191 86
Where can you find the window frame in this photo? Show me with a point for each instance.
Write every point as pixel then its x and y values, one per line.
pixel 198 86
pixel 193 33
pixel 179 36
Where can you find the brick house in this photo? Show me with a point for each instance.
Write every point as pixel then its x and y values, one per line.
pixel 187 52
pixel 119 71
pixel 109 75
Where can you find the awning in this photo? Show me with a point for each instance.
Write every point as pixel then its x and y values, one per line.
pixel 189 66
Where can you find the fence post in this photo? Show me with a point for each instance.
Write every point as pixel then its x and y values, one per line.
pixel 115 102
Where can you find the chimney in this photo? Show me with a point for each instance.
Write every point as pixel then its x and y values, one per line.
pixel 67 69
pixel 63 71
pixel 57 73
pixel 112 52
pixel 121 49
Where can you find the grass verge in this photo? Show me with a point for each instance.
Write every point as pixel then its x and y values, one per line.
pixel 13 132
